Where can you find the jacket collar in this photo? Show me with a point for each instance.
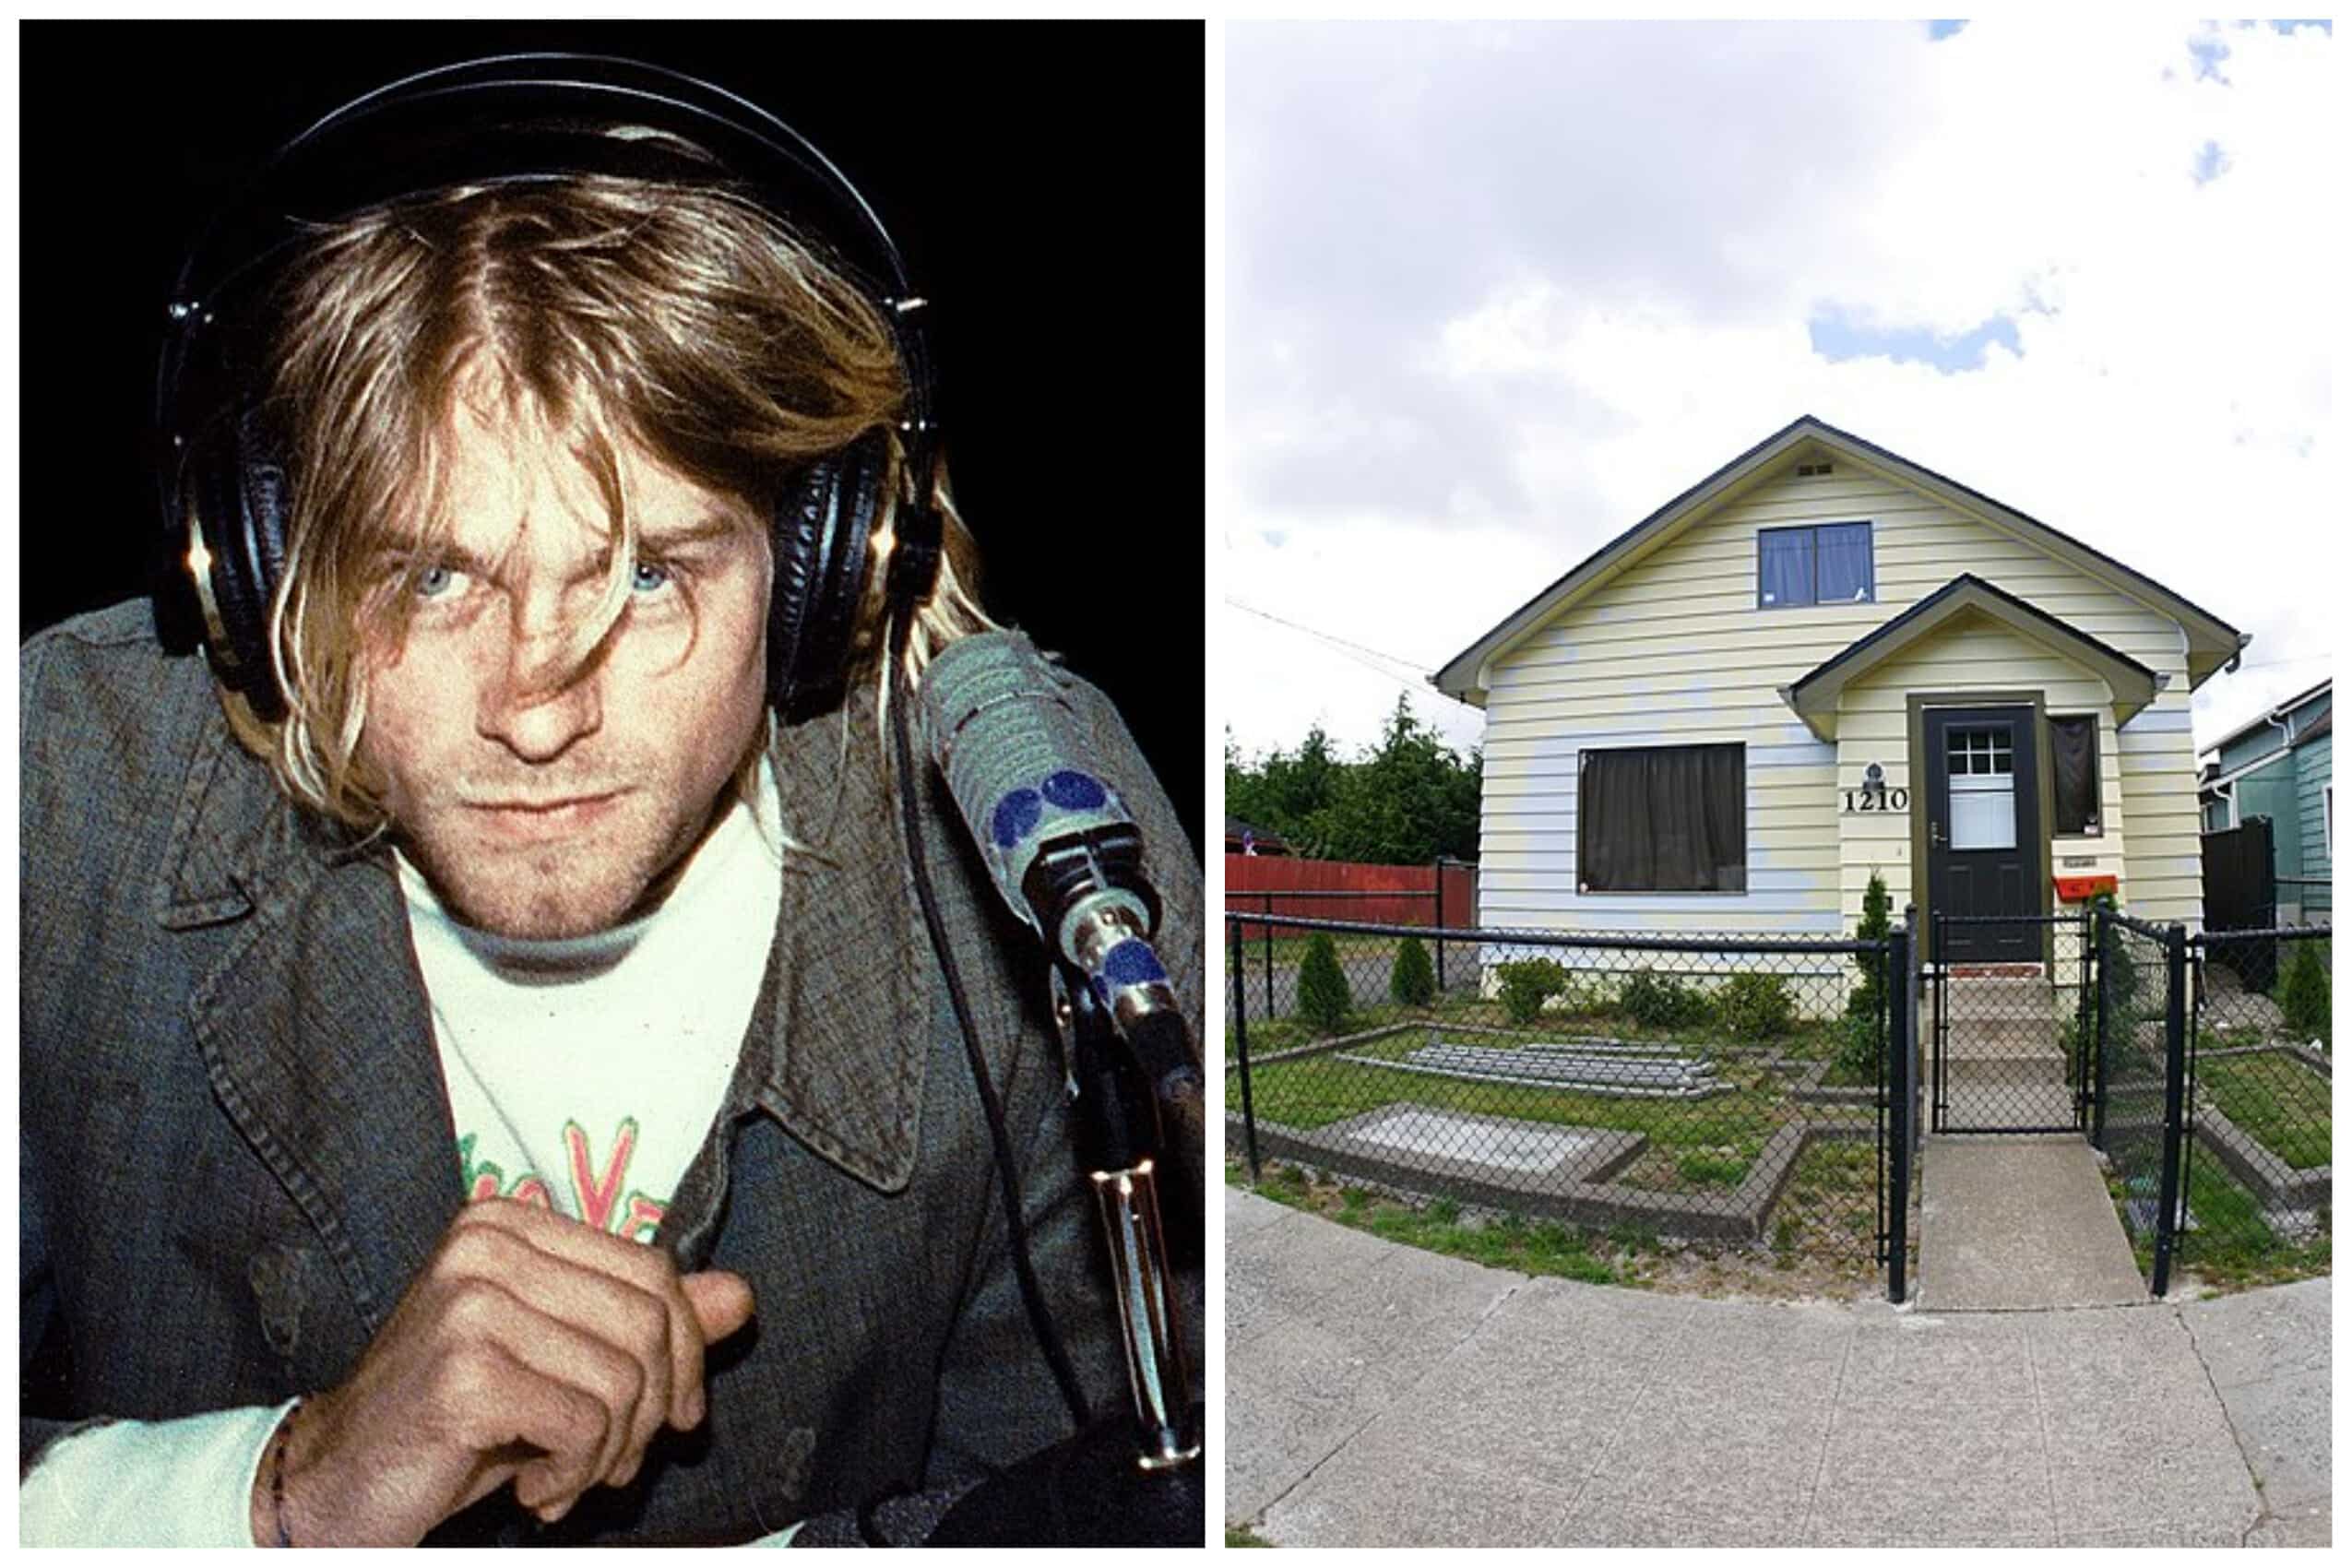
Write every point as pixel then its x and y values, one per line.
pixel 316 1030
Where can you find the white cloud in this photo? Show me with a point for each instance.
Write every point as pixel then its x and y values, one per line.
pixel 1496 293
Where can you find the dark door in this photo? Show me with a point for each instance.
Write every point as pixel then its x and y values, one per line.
pixel 1984 830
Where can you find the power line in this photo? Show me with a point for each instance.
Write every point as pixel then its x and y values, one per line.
pixel 1416 665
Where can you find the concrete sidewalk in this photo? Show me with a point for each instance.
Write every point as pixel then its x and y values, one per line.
pixel 1379 1395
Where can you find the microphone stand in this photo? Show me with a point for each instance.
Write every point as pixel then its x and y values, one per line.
pixel 1119 1147
pixel 1134 1477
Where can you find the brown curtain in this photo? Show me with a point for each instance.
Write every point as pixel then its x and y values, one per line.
pixel 1662 819
pixel 2074 774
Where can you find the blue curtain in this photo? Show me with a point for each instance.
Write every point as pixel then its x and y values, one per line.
pixel 1844 567
pixel 1785 566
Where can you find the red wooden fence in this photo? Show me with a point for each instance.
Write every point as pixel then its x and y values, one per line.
pixel 1384 895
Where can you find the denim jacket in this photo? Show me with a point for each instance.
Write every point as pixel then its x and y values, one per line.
pixel 236 1148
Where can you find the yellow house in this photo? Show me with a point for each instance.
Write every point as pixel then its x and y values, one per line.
pixel 1824 660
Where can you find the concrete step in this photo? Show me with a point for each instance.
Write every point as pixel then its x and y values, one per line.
pixel 1975 1107
pixel 2045 1067
pixel 1980 1036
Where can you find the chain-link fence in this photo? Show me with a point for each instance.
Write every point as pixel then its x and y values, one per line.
pixel 2012 1010
pixel 1724 1090
pixel 2129 1078
pixel 2258 1131
pixel 2211 1097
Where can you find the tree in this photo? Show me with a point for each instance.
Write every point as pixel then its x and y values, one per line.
pixel 1324 1001
pixel 1405 801
pixel 1867 998
pixel 1411 981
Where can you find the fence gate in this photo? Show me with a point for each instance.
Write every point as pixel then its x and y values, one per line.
pixel 2013 1049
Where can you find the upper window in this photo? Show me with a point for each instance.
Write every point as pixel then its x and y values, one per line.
pixel 1662 819
pixel 2075 775
pixel 1828 564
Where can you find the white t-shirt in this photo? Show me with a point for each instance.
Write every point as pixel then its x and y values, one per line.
pixel 583 1074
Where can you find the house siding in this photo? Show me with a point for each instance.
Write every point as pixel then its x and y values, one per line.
pixel 2314 771
pixel 1674 651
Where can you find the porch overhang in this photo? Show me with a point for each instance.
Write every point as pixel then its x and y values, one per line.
pixel 1813 697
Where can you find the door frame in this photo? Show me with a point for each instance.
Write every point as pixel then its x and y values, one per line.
pixel 1915 704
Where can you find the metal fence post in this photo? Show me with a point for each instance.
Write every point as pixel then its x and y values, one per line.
pixel 1241 1045
pixel 2176 1062
pixel 1437 885
pixel 2102 1019
pixel 1268 929
pixel 1895 1045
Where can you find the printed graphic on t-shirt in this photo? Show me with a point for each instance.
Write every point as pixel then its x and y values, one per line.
pixel 596 1198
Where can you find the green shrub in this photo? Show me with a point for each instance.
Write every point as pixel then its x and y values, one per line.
pixel 1755 1006
pixel 2303 993
pixel 1526 983
pixel 1867 998
pixel 1324 1001
pixel 1411 981
pixel 2118 976
pixel 1857 1058
pixel 1651 999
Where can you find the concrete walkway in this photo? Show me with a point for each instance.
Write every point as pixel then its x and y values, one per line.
pixel 2020 1224
pixel 1379 1395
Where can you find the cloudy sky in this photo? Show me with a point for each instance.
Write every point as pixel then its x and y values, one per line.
pixel 1496 291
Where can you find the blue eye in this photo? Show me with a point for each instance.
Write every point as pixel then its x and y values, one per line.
pixel 646 578
pixel 433 582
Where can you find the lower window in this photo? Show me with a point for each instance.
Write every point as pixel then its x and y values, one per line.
pixel 1662 819
pixel 2075 775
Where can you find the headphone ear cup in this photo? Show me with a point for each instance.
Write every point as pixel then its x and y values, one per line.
pixel 822 540
pixel 242 496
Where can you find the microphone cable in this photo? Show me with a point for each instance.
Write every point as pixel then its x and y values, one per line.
pixel 1008 1180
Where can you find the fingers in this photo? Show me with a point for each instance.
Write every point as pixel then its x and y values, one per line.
pixel 722 1301
pixel 646 1269
pixel 511 1400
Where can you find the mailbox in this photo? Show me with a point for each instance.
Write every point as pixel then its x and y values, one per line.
pixel 2074 889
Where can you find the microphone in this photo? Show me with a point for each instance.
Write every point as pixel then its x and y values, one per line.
pixel 1062 848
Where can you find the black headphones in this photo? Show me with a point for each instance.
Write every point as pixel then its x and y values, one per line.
pixel 519 119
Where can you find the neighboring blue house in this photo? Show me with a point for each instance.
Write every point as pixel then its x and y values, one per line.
pixel 2281 765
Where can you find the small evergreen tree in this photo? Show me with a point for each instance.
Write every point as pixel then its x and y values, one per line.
pixel 2303 993
pixel 1324 1001
pixel 1411 981
pixel 1867 998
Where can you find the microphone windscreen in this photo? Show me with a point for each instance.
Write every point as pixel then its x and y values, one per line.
pixel 1000 724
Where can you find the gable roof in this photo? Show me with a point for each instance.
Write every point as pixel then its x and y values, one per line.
pixel 2213 642
pixel 2289 705
pixel 1813 696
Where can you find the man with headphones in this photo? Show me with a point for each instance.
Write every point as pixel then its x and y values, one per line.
pixel 492 1064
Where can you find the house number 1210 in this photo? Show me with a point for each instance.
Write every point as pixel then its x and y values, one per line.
pixel 1879 800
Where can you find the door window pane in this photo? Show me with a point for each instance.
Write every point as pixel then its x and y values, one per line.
pixel 1979 768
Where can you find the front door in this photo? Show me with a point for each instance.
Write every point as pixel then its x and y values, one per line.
pixel 1984 830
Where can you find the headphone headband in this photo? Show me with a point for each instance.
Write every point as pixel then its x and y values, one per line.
pixel 522 118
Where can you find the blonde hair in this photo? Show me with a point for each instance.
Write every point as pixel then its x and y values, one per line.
pixel 600 312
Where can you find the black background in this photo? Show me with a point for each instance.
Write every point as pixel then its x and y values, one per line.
pixel 1044 181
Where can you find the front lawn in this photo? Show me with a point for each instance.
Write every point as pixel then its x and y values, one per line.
pixel 2274 1099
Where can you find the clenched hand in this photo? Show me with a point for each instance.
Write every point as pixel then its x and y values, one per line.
pixel 532 1349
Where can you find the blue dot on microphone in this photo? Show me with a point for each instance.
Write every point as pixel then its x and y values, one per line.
pixel 1075 791
pixel 1131 963
pixel 1016 815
